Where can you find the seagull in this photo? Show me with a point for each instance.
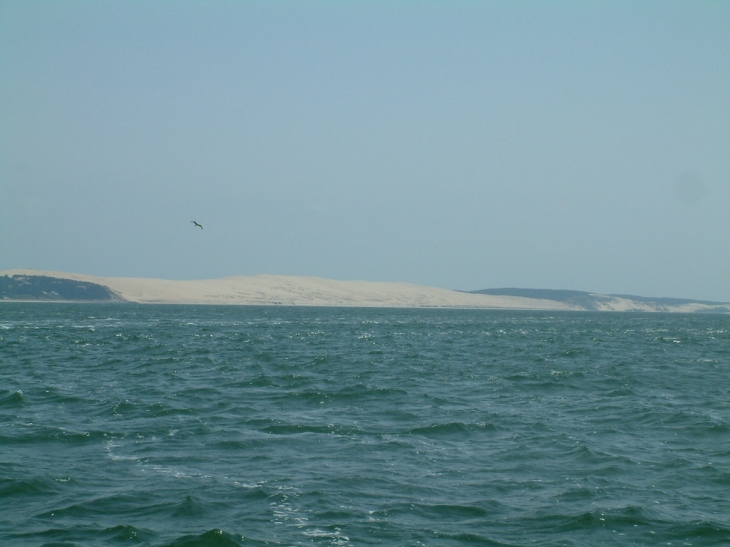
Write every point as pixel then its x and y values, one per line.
pixel 198 225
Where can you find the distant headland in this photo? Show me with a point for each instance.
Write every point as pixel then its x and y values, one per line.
pixel 278 290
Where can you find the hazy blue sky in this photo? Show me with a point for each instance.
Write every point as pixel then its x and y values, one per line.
pixel 566 145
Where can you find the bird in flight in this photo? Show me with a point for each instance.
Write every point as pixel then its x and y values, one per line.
pixel 198 225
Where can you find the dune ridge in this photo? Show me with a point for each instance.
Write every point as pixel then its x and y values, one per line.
pixel 269 289
pixel 282 290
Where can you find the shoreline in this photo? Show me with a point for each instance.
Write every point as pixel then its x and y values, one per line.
pixel 278 290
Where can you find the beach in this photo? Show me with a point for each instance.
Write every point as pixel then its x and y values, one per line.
pixel 296 291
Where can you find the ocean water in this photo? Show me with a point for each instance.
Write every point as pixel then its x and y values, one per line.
pixel 181 426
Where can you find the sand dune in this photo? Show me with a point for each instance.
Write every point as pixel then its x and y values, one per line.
pixel 284 290
pixel 297 291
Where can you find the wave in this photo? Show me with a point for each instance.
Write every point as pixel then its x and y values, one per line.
pixel 458 430
pixel 37 486
pixel 219 427
pixel 11 399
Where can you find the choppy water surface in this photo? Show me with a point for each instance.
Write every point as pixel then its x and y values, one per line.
pixel 226 426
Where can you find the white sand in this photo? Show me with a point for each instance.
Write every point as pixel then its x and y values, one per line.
pixel 297 291
pixel 618 303
pixel 313 291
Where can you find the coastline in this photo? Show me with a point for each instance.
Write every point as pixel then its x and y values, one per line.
pixel 280 290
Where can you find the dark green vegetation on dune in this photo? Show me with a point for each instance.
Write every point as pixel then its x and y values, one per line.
pixel 40 287
pixel 575 298
pixel 22 287
pixel 590 301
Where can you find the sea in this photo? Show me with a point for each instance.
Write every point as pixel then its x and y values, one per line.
pixel 228 426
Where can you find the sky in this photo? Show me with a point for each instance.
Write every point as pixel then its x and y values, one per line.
pixel 460 144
